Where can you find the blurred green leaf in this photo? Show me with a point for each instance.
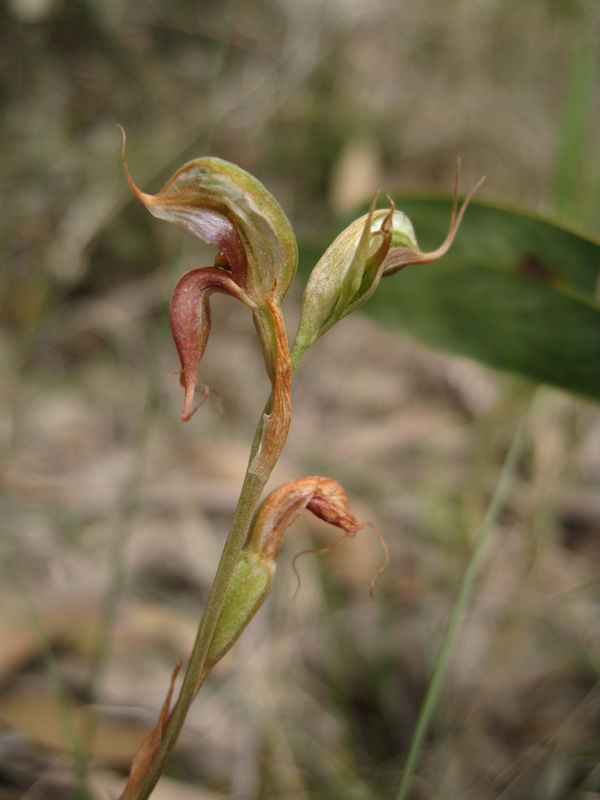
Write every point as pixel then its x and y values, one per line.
pixel 515 291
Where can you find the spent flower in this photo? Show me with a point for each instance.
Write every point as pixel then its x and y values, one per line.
pixel 254 571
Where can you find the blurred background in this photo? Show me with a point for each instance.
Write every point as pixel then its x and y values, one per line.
pixel 114 512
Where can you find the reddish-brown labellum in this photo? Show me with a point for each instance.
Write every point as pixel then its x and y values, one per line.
pixel 189 315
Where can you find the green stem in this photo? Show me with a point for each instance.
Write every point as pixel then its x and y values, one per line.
pixel 266 448
pixel 441 664
pixel 251 491
pixel 268 443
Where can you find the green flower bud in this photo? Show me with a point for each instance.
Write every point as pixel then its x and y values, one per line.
pixel 379 244
pixel 345 276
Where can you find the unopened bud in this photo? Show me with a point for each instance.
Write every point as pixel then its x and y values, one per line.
pixel 374 246
pixel 344 278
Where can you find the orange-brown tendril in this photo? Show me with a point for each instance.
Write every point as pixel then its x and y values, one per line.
pixel 201 389
pixel 177 203
pixel 343 538
pixel 189 316
pixel 400 257
pixel 316 551
pixel 386 554
pixel 324 497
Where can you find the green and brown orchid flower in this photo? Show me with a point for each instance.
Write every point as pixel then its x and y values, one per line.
pixel 256 261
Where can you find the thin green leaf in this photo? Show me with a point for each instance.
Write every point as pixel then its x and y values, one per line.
pixel 460 604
